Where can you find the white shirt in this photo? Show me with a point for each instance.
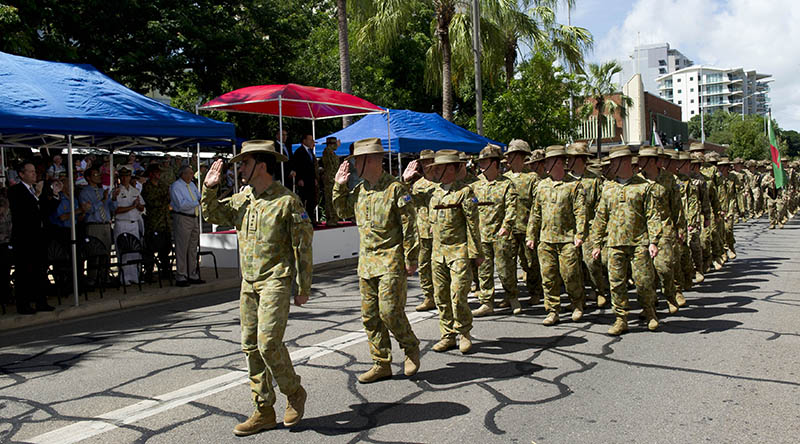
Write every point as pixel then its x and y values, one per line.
pixel 126 198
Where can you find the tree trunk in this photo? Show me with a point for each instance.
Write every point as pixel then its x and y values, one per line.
pixel 443 19
pixel 599 107
pixel 344 54
pixel 510 61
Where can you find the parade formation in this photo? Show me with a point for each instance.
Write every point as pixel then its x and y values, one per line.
pixel 549 221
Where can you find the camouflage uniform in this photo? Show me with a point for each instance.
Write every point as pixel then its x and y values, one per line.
pixel 713 250
pixel 388 244
pixel 772 197
pixel 456 244
pixel 421 193
pixel 497 208
pixel 690 200
pixel 557 219
pixel 330 164
pixel 274 235
pixel 728 198
pixel 627 222
pixel 668 201
pixel 592 186
pixel 158 222
pixel 525 184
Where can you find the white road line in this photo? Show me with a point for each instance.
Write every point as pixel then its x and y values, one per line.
pixel 128 415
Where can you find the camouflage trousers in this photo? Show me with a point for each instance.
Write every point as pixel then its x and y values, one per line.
pixel 642 272
pixel 664 264
pixel 383 303
pixel 727 233
pixel 498 255
pixel 695 243
pixel 424 270
pixel 330 212
pixel 597 273
pixel 529 262
pixel 683 254
pixel 774 211
pixel 559 263
pixel 758 202
pixel 451 284
pixel 264 311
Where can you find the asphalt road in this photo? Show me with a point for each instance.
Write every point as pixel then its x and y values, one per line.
pixel 725 369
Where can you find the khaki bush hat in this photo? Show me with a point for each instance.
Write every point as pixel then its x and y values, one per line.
pixel 446 157
pixel 712 157
pixel 491 151
pixel 518 146
pixel 648 152
pixel 738 160
pixel 697 157
pixel 330 141
pixel 426 154
pixel 259 146
pixel 554 151
pixel 635 160
pixel 670 154
pixel 724 162
pixel 463 156
pixel 620 151
pixel 363 147
pixel 536 156
pixel 683 155
pixel 124 170
pixel 697 146
pixel 578 149
pixel 749 163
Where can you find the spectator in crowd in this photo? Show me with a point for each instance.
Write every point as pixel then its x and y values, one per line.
pixel 157 222
pixel 5 246
pixel 105 173
pixel 305 171
pixel 28 241
pixel 60 216
pixel 56 168
pixel 168 170
pixel 185 201
pixel 77 172
pixel 87 162
pixel 100 210
pixel 128 219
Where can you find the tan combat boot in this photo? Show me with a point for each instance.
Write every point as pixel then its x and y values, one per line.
pixel 485 309
pixel 717 265
pixel 673 306
pixel 551 319
pixel 771 226
pixel 465 344
pixel 503 304
pixel 378 372
pixel 577 314
pixel 426 305
pixel 535 299
pixel 444 344
pixel 295 407
pixel 263 418
pixel 698 277
pixel 651 318
pixel 411 364
pixel 601 300
pixel 516 308
pixel 680 299
pixel 731 254
pixel 620 326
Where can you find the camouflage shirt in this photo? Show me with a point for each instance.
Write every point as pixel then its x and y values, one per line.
pixel 273 229
pixel 525 184
pixel 711 173
pixel 559 212
pixel 497 206
pixel 421 193
pixel 626 215
pixel 728 191
pixel 156 216
pixel 690 200
pixel 386 225
pixel 330 164
pixel 672 213
pixel 592 186
pixel 453 215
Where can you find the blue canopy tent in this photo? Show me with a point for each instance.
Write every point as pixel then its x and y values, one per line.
pixel 64 105
pixel 410 132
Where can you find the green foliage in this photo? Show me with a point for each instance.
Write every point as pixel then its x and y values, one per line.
pixel 533 107
pixel 746 138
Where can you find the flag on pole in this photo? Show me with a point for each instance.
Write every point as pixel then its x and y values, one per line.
pixel 655 140
pixel 777 167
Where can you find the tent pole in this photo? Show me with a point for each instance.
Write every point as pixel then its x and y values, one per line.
pixel 72 234
pixel 235 171
pixel 200 189
pixel 281 143
pixel 314 148
pixel 111 170
pixel 3 166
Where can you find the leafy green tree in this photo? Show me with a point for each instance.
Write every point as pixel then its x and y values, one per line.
pixel 533 107
pixel 597 89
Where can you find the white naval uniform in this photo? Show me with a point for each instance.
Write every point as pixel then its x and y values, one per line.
pixel 129 222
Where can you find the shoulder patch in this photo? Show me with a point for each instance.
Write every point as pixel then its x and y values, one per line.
pixel 407 198
pixel 303 215
pixel 474 200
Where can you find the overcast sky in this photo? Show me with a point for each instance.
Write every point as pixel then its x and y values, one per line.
pixel 754 34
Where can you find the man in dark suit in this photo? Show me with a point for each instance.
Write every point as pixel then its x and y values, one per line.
pixel 28 241
pixel 304 166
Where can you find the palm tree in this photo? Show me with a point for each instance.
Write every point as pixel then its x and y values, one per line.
pixel 598 87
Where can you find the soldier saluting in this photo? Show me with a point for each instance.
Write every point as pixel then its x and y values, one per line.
pixel 275 236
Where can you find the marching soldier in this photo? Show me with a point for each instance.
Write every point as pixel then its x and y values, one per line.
pixel 628 223
pixel 274 235
pixel 699 234
pixel 525 183
pixel 689 221
pixel 713 248
pixel 497 210
pixel 556 229
pixel 388 253
pixel 330 165
pixel 592 185
pixel 456 244
pixel 421 192
pixel 728 198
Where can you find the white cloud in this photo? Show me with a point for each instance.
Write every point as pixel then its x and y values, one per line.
pixel 752 34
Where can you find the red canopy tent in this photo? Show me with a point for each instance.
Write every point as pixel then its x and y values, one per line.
pixel 295 101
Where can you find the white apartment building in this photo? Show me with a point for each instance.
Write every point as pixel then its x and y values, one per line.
pixel 714 89
pixel 652 61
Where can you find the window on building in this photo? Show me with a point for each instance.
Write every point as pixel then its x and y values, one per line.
pixel 679 91
pixel 662 62
pixel 679 80
pixel 680 102
pixel 691 112
pixel 691 101
pixel 691 78
pixel 662 70
pixel 691 90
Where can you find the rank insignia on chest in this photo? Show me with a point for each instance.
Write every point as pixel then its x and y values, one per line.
pixel 303 215
pixel 407 198
pixel 474 200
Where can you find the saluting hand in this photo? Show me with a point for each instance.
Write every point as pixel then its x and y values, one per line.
pixel 343 175
pixel 214 174
pixel 410 171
